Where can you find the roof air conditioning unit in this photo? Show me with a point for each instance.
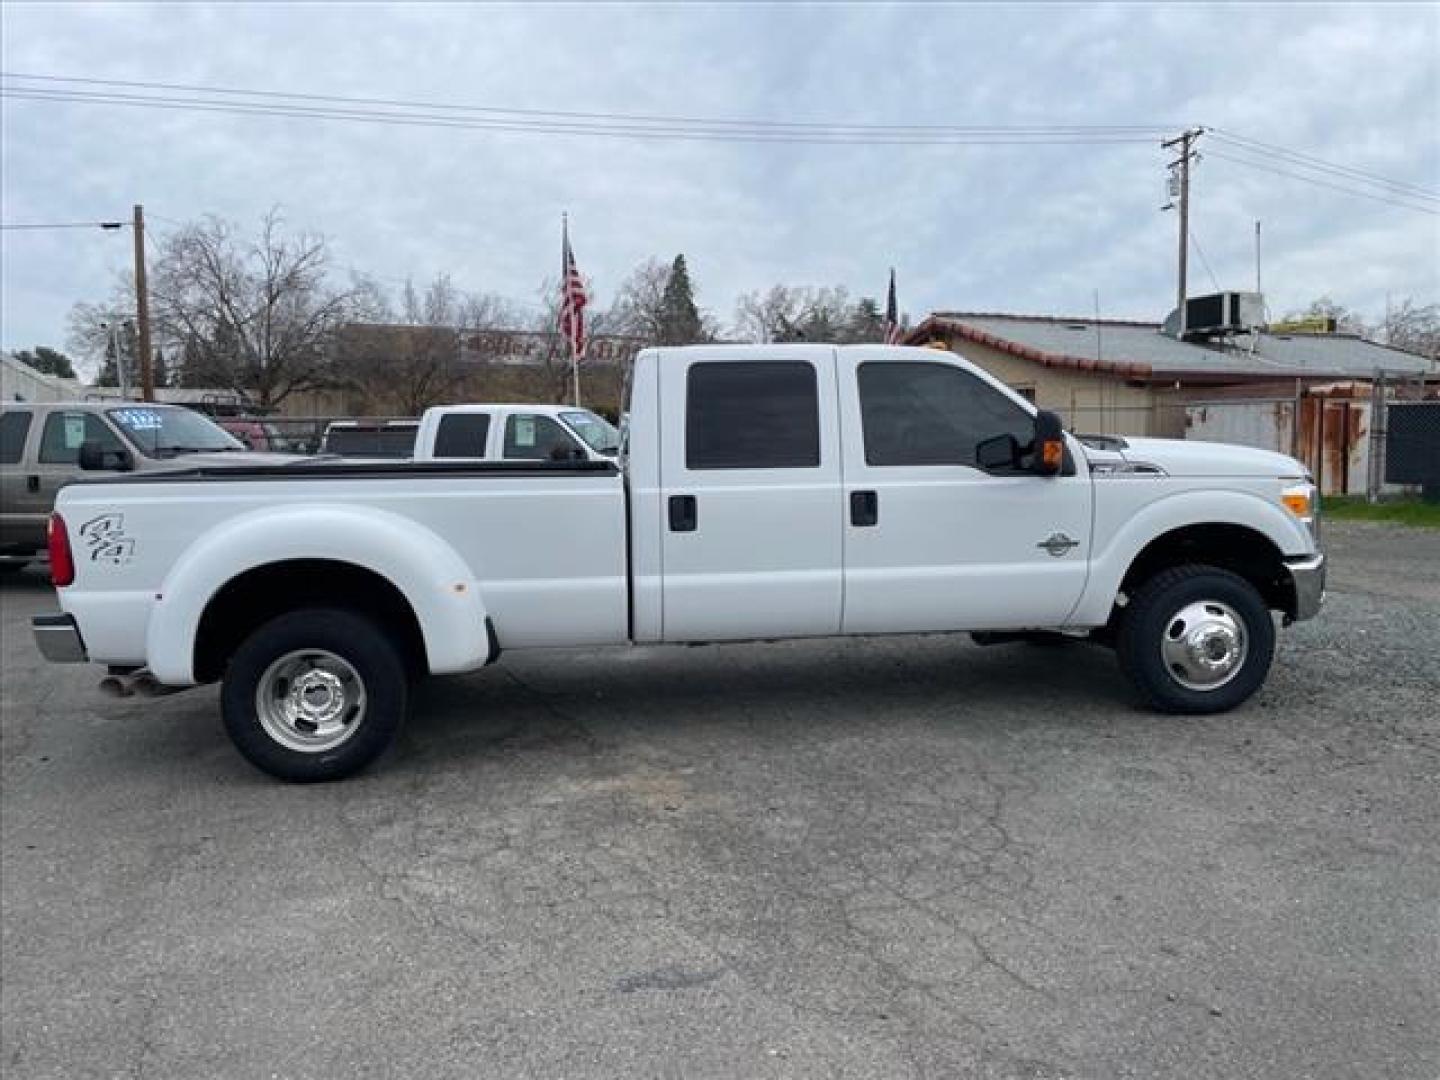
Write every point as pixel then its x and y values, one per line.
pixel 1222 313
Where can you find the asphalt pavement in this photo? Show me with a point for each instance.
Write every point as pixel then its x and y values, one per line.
pixel 883 857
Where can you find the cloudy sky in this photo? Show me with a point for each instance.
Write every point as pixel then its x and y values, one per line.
pixel 969 227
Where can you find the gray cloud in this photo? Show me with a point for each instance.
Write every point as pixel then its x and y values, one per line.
pixel 1003 228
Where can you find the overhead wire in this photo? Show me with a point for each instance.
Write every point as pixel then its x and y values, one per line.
pixel 835 135
pixel 1309 161
pixel 1201 252
pixel 1239 149
pixel 1268 167
pixel 610 117
pixel 106 225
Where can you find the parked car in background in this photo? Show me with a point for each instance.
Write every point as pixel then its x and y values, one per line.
pixel 42 446
pixel 257 434
pixel 370 438
pixel 510 432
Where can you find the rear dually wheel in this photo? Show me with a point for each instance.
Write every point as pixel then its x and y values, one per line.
pixel 315 694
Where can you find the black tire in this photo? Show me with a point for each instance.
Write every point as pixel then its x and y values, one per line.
pixel 1153 615
pixel 298 638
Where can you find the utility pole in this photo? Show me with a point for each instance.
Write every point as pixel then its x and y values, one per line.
pixel 1257 257
pixel 142 308
pixel 1184 142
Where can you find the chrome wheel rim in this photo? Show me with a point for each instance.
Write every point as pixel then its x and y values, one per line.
pixel 1204 645
pixel 310 700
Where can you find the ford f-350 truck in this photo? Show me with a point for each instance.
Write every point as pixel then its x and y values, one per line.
pixel 761 492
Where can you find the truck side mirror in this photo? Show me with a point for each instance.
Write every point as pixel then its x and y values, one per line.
pixel 95 458
pixel 998 452
pixel 1049 444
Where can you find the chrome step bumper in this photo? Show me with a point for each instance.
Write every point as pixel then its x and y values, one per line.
pixel 58 638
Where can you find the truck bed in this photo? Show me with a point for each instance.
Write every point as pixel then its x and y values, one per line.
pixel 543 544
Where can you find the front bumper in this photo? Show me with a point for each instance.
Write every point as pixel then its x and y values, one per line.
pixel 1307 579
pixel 58 639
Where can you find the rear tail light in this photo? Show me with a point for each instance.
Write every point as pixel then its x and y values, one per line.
pixel 62 562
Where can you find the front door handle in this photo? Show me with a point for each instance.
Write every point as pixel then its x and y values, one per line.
pixel 683 515
pixel 32 484
pixel 864 508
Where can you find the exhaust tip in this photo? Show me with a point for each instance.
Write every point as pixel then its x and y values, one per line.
pixel 114 686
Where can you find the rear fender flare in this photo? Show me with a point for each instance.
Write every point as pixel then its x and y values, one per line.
pixel 427 571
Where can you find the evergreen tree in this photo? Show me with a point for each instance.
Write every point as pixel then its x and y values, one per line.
pixel 867 321
pixel 680 319
pixel 47 361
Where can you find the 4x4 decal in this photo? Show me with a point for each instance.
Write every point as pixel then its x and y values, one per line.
pixel 106 539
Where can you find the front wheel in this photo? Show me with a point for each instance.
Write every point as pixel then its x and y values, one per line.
pixel 315 694
pixel 1196 639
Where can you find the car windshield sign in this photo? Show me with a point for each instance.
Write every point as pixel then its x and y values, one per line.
pixel 164 432
pixel 599 434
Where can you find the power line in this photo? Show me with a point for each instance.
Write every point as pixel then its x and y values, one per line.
pixel 1309 161
pixel 107 225
pixel 1434 212
pixel 609 117
pixel 1201 252
pixel 832 137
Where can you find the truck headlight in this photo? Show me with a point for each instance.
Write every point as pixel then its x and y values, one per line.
pixel 1303 501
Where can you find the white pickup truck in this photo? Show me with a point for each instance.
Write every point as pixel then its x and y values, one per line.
pixel 761 492
pixel 510 432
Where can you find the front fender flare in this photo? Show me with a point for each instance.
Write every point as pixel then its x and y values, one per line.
pixel 1177 511
pixel 427 571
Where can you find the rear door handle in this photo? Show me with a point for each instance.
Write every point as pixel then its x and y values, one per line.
pixel 864 508
pixel 32 483
pixel 683 515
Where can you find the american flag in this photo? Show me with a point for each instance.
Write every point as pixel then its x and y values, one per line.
pixel 572 298
pixel 892 316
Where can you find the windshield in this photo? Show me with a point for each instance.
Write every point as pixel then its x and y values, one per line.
pixel 599 434
pixel 165 432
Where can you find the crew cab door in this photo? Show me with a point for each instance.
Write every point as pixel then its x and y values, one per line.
pixel 932 542
pixel 750 494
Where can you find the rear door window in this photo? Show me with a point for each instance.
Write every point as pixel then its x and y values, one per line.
pixel 757 415
pixel 64 432
pixel 14 426
pixel 462 435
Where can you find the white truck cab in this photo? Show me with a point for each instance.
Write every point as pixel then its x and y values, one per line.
pixel 760 492
pixel 514 432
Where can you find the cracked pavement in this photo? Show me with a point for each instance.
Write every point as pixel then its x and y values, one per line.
pixel 904 857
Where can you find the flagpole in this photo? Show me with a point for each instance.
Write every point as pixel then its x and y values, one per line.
pixel 565 259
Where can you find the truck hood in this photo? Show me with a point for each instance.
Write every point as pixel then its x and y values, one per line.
pixel 1185 457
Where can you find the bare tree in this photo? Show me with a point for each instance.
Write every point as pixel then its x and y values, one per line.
pixel 1414 328
pixel 411 359
pixel 639 308
pixel 254 316
pixel 94 330
pixel 796 313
